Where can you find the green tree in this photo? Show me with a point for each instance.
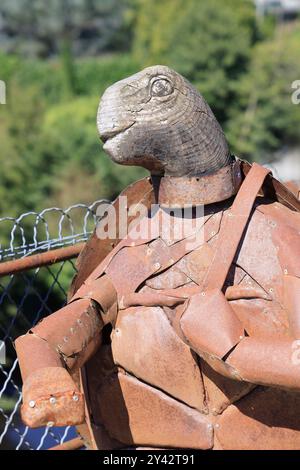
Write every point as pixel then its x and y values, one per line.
pixel 48 141
pixel 65 27
pixel 263 118
pixel 209 42
pixel 71 142
pixel 22 168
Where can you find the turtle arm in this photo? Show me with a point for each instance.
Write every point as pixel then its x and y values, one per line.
pixel 211 328
pixel 54 349
pixel 276 362
pixel 266 362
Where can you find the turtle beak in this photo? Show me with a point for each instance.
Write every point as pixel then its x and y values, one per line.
pixel 107 133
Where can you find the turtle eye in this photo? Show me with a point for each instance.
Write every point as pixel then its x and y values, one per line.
pixel 161 87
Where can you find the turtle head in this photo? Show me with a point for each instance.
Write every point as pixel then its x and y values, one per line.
pixel 156 119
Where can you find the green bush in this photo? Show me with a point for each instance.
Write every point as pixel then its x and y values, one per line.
pixel 22 168
pixel 91 75
pixel 49 138
pixel 72 145
pixel 263 118
pixel 95 75
pixel 209 42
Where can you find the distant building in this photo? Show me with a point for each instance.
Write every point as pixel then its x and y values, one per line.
pixel 284 8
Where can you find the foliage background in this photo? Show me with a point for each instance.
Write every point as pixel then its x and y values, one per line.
pixel 57 57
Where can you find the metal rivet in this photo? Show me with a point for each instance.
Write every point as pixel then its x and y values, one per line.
pixel 213 234
pixel 285 271
pixel 156 265
pixel 75 397
pixel 203 294
pixel 52 400
pixel 241 337
pixel 65 339
pixel 217 426
pixel 271 290
pixel 50 424
pixel 31 404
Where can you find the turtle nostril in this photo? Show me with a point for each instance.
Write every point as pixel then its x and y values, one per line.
pixel 104 138
pixel 106 135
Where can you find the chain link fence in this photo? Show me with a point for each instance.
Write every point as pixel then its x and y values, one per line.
pixel 26 296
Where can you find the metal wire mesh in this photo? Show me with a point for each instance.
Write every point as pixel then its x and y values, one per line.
pixel 28 296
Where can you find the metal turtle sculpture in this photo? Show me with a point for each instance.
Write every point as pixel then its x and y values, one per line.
pixel 294 187
pixel 177 338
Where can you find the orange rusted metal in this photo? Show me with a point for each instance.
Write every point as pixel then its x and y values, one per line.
pixel 183 191
pixel 135 290
pixel 294 187
pixel 41 259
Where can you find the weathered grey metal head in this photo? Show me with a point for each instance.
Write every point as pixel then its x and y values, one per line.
pixel 158 120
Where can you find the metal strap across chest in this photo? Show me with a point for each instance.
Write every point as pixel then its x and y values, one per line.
pixel 233 229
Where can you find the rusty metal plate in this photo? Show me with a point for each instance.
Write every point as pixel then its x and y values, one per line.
pixel 210 325
pixel 280 215
pixel 292 303
pixel 264 420
pixel 131 266
pixel 182 191
pixel 144 416
pixel 102 292
pixel 35 353
pixel 170 279
pixel 258 255
pixel 247 288
pixel 150 298
pixel 294 187
pixel 287 242
pixel 275 190
pixel 222 391
pixel 96 249
pixel 196 264
pixel 261 318
pixel 145 344
pixel 72 329
pixel 51 397
pixel 268 362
